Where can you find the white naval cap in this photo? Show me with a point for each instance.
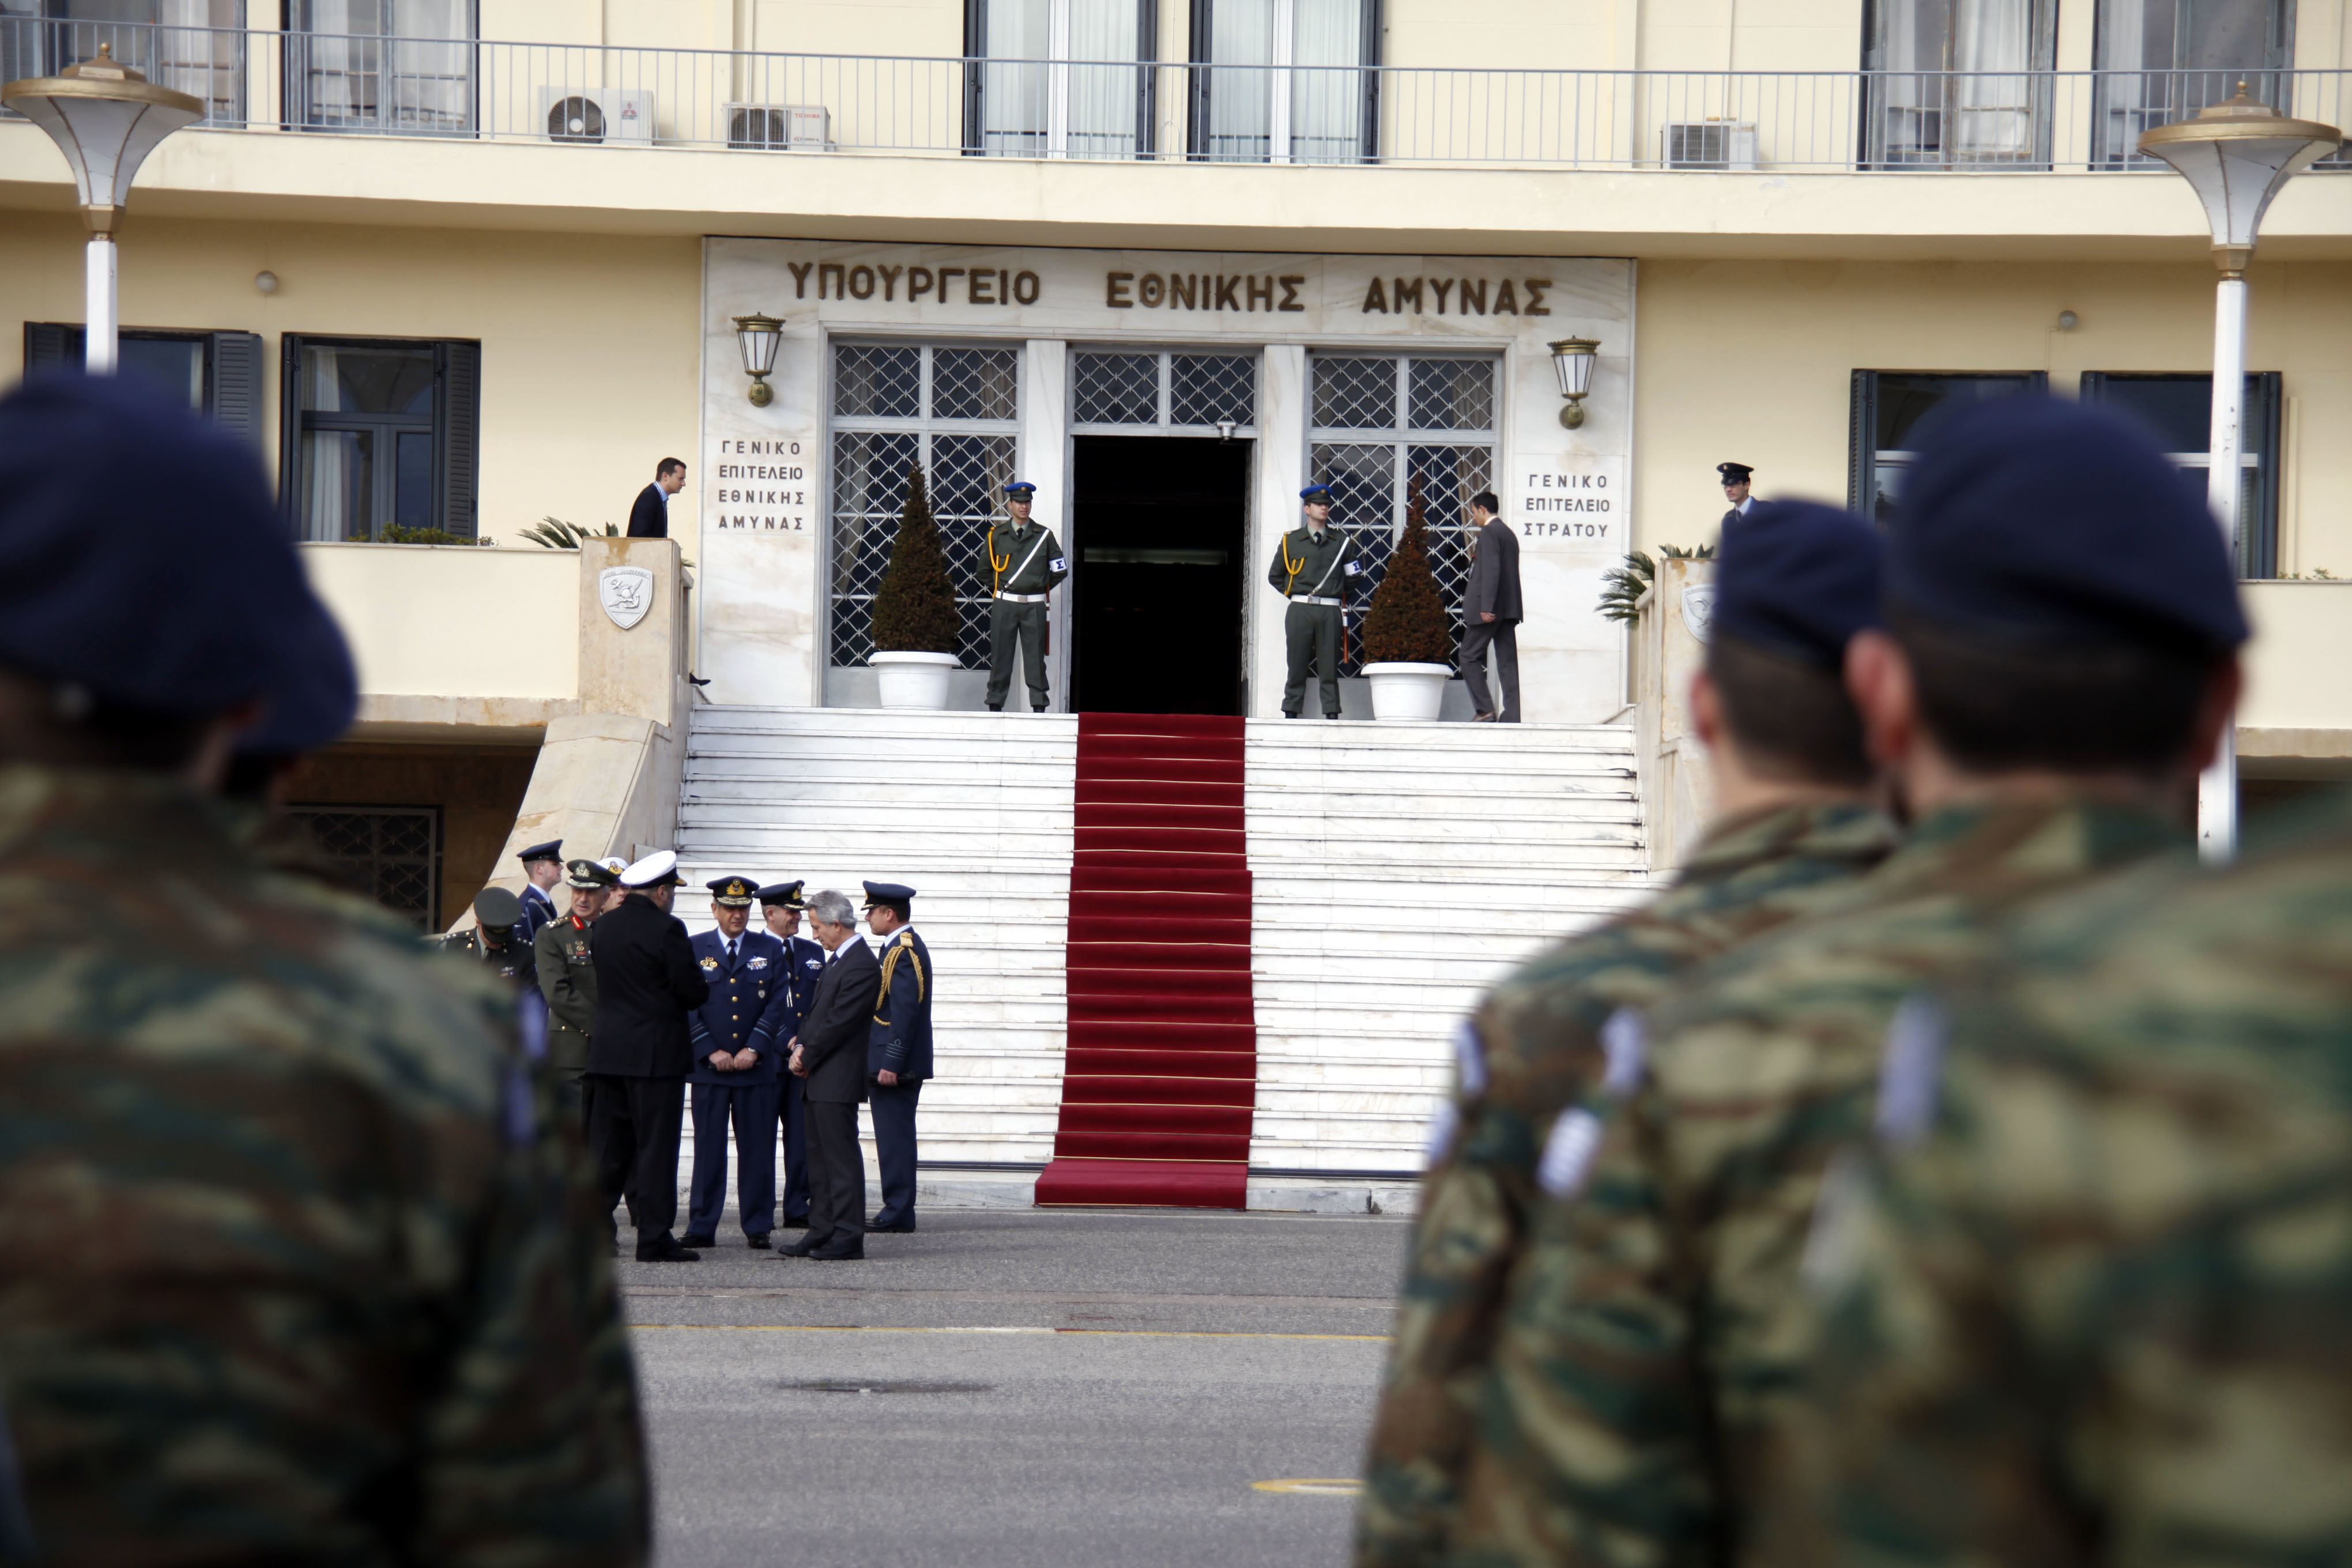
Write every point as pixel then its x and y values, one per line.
pixel 653 872
pixel 614 864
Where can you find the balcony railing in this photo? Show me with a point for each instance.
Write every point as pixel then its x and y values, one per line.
pixel 592 96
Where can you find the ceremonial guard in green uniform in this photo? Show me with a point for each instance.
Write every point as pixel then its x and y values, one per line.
pixel 568 979
pixel 1025 563
pixel 1312 567
pixel 495 938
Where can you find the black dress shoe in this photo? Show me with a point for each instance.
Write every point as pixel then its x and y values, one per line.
pixel 756 1243
pixel 830 1256
pixel 668 1250
pixel 800 1224
pixel 696 1239
pixel 800 1248
pixel 903 1227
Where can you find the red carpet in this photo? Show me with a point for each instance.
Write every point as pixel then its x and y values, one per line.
pixel 1162 1067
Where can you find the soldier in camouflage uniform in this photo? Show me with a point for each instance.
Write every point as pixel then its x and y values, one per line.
pixel 567 978
pixel 2090 1306
pixel 294 1273
pixel 2062 619
pixel 1793 827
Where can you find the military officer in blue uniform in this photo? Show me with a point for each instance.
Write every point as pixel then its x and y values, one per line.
pixel 898 1051
pixel 737 1054
pixel 543 868
pixel 781 904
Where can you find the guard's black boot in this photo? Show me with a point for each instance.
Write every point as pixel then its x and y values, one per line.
pixel 997 708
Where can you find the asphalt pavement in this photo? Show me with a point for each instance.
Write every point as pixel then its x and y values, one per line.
pixel 1041 1388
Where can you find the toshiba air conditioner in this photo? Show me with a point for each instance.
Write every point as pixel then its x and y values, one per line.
pixel 804 126
pixel 594 114
pixel 1711 144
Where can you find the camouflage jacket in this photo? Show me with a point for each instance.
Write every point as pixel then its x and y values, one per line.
pixel 567 978
pixel 2091 1306
pixel 1649 1337
pixel 287 1270
pixel 1533 1049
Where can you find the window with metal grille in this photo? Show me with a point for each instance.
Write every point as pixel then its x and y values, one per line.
pixel 1382 425
pixel 956 411
pixel 1172 391
pixel 393 851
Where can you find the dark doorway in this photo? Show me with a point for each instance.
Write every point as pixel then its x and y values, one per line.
pixel 1159 526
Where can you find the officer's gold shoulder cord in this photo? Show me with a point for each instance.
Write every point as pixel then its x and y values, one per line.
pixel 889 967
pixel 995 567
pixel 1293 567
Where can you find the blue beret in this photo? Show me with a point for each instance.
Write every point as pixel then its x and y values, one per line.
pixel 1020 487
pixel 140 555
pixel 317 697
pixel 1799 578
pixel 2034 519
pixel 1316 493
pixel 889 893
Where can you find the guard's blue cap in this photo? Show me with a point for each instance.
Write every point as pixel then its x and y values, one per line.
pixel 896 893
pixel 551 850
pixel 1799 578
pixel 1316 493
pixel 140 555
pixel 1021 488
pixel 2034 519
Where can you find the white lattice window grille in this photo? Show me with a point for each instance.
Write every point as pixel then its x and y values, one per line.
pixel 1381 422
pixel 1167 392
pixel 956 411
pixel 391 852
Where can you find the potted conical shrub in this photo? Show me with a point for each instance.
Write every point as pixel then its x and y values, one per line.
pixel 915 610
pixel 1408 638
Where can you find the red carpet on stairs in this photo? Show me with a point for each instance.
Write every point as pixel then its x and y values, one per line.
pixel 1163 1065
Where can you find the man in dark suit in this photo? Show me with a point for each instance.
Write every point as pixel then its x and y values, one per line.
pixel 647 983
pixel 1491 612
pixel 781 905
pixel 649 518
pixel 899 1050
pixel 1736 477
pixel 831 1062
pixel 737 1075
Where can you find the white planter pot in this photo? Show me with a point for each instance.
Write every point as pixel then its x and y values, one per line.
pixel 1407 692
pixel 913 679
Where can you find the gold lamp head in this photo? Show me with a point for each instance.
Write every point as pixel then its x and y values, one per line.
pixel 2237 156
pixel 105 118
pixel 758 336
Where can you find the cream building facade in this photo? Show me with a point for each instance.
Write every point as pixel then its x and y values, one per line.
pixel 461 266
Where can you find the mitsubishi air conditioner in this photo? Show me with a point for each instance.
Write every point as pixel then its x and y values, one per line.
pixel 1711 144
pixel 804 126
pixel 595 114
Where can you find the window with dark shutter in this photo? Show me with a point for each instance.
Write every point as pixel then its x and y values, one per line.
pixel 218 375
pixel 234 397
pixel 2178 411
pixel 460 436
pixel 1889 404
pixel 44 347
pixel 383 438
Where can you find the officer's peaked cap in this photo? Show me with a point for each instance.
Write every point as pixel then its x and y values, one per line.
pixel 2037 521
pixel 589 874
pixel 1019 488
pixel 1316 493
pixel 895 895
pixel 142 558
pixel 497 909
pixel 735 892
pixel 1799 578
pixel 1733 473
pixel 551 850
pixel 785 893
pixel 657 869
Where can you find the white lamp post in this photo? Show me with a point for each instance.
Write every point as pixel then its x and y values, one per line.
pixel 2237 156
pixel 105 118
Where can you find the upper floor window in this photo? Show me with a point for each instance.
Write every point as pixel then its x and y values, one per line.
pixel 2164 61
pixel 1956 83
pixel 382 437
pixel 219 374
pixel 195 47
pixel 1050 79
pixel 2180 410
pixel 404 66
pixel 1889 406
pixel 1285 81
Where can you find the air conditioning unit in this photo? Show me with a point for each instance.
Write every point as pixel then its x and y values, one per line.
pixel 805 126
pixel 1711 144
pixel 595 114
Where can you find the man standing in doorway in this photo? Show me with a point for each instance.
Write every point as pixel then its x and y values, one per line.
pixel 1735 490
pixel 1024 564
pixel 831 1060
pixel 898 1053
pixel 1312 567
pixel 649 518
pixel 781 905
pixel 1491 612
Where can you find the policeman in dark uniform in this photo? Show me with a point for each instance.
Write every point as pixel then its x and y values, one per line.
pixel 899 1052
pixel 497 939
pixel 1735 490
pixel 781 904
pixel 737 1054
pixel 1312 568
pixel 568 979
pixel 1024 564
pixel 542 864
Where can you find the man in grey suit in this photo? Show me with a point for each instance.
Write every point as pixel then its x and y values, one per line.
pixel 1491 612
pixel 830 1059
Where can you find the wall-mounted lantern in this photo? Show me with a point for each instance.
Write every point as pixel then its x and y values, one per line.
pixel 1572 358
pixel 759 337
